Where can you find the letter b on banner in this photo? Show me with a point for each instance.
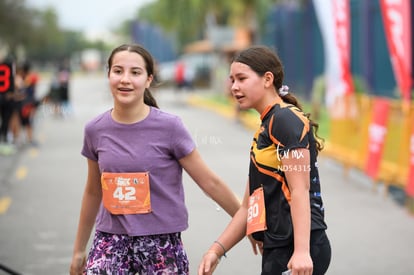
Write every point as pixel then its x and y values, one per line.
pixel 6 77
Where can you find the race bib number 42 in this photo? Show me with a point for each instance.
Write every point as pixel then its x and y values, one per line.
pixel 126 193
pixel 256 213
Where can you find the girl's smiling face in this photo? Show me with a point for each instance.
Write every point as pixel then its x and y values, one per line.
pixel 128 78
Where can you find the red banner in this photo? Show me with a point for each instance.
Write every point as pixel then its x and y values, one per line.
pixel 376 136
pixel 342 17
pixel 396 16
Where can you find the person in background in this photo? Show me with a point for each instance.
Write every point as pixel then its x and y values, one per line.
pixel 63 77
pixel 54 97
pixel 179 75
pixel 58 96
pixel 134 193
pixel 6 107
pixel 25 103
pixel 282 210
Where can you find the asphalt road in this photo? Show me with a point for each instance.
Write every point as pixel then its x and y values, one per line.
pixel 41 189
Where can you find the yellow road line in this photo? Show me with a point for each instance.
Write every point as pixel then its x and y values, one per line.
pixel 4 204
pixel 21 172
pixel 33 152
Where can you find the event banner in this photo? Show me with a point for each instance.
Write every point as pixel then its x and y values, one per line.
pixel 410 182
pixel 396 16
pixel 342 16
pixel 376 135
pixel 334 22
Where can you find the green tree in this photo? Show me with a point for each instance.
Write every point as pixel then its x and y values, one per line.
pixel 187 19
pixel 15 24
pixel 48 42
pixel 37 34
pixel 52 43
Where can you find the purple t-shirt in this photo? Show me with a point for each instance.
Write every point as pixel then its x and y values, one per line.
pixel 154 144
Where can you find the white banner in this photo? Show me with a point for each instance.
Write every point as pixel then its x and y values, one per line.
pixel 334 21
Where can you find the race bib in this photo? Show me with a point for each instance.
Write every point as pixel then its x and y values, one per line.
pixel 256 213
pixel 126 193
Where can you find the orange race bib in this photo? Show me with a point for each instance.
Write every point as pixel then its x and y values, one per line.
pixel 256 213
pixel 126 193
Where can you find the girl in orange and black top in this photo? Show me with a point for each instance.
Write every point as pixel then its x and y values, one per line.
pixel 282 211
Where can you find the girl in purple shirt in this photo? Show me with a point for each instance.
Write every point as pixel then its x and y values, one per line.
pixel 134 193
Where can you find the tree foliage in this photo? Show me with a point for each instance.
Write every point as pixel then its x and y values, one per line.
pixel 38 33
pixel 15 23
pixel 41 37
pixel 187 19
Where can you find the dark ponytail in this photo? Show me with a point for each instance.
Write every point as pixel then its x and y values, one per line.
pixel 291 99
pixel 149 99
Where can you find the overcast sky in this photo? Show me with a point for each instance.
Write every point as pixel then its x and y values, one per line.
pixel 91 16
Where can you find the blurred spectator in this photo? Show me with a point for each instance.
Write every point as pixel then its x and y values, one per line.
pixel 179 75
pixel 58 95
pixel 189 76
pixel 25 103
pixel 184 76
pixel 63 79
pixel 6 112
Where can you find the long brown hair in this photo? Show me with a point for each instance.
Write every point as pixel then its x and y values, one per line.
pixel 149 66
pixel 262 59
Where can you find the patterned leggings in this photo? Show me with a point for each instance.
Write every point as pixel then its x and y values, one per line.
pixel 118 254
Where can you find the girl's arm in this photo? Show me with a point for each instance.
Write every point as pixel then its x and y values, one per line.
pixel 215 188
pixel 209 182
pixel 234 232
pixel 91 200
pixel 297 175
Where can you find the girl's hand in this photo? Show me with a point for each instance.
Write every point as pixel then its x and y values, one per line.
pixel 256 245
pixel 208 263
pixel 78 263
pixel 300 264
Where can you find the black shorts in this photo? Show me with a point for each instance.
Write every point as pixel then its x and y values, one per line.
pixel 275 260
